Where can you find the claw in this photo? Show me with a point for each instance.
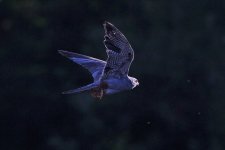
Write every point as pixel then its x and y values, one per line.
pixel 97 93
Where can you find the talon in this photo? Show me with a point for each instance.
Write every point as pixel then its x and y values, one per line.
pixel 97 93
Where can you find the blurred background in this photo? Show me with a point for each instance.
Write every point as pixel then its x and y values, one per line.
pixel 179 62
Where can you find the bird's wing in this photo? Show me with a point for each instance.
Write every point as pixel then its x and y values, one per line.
pixel 82 89
pixel 93 65
pixel 119 51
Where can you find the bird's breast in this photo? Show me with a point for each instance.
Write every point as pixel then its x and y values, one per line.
pixel 117 84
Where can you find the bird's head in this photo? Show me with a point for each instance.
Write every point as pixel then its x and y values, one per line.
pixel 134 82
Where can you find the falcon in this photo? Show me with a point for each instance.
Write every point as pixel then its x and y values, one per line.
pixel 110 76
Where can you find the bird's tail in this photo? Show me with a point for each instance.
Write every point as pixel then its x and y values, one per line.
pixel 82 89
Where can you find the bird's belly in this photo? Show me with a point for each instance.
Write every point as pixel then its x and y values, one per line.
pixel 116 85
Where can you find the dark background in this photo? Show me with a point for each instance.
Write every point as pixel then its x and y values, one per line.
pixel 179 62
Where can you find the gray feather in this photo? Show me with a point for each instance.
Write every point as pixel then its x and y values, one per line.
pixel 120 53
pixel 82 89
pixel 94 66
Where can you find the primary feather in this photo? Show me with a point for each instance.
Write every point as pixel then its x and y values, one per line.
pixel 81 89
pixel 93 65
pixel 120 53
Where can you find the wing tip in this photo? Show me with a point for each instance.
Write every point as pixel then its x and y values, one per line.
pixel 63 92
pixel 105 22
pixel 65 53
pixel 108 26
pixel 62 52
pixel 67 92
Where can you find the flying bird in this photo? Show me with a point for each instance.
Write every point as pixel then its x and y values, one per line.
pixel 110 76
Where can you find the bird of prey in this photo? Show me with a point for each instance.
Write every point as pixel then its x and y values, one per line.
pixel 110 76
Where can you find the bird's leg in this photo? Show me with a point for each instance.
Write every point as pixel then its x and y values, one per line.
pixel 100 94
pixel 99 91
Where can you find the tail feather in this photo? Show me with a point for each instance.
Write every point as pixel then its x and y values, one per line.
pixel 81 89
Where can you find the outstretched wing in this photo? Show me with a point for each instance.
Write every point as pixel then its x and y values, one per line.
pixel 82 89
pixel 94 66
pixel 120 53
